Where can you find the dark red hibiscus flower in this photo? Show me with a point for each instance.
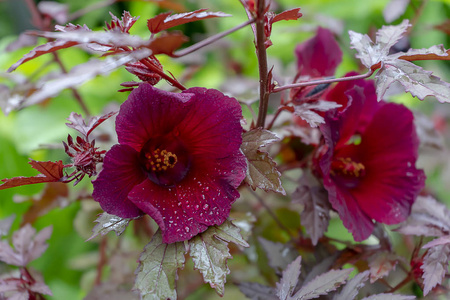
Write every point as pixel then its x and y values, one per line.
pixel 178 160
pixel 368 165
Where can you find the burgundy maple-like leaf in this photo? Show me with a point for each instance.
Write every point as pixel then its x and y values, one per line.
pixel 165 21
pixel 322 284
pixel 27 246
pixel 435 266
pixel 435 52
pixel 316 213
pixel 428 218
pixel 51 46
pixel 291 14
pixel 257 291
pixel 261 170
pixel 381 263
pixel 109 38
pixel 50 172
pixel 167 43
pixel 55 194
pixel 351 289
pixel 82 73
pixel 41 50
pixel 289 280
pixel 79 124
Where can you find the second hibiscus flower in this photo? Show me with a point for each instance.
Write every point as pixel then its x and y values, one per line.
pixel 369 157
pixel 178 160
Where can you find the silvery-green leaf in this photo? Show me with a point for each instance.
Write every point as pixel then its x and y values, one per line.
pixel 209 251
pixel 261 169
pixel 107 223
pixel 156 274
pixel 414 79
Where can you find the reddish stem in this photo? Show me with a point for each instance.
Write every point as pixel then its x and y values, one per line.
pixel 262 63
pixel 280 109
pixel 102 262
pixel 36 19
pixel 323 81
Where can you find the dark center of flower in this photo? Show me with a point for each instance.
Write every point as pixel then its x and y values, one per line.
pixel 165 159
pixel 347 171
pixel 160 160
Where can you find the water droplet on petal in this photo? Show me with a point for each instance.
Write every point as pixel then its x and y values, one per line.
pixel 187 229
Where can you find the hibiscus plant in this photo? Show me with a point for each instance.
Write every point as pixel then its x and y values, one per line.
pixel 308 167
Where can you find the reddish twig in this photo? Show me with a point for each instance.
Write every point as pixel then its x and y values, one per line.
pixel 262 64
pixel 102 262
pixel 323 81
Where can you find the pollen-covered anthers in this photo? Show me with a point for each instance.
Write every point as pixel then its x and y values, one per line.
pixel 347 167
pixel 158 160
pixel 85 157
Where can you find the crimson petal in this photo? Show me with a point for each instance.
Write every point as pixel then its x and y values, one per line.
pixel 208 131
pixel 148 113
pixel 187 209
pixel 320 55
pixel 354 219
pixel 389 153
pixel 121 172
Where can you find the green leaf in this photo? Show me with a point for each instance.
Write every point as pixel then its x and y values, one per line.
pixel 157 270
pixel 209 251
pixel 261 169
pixel 107 223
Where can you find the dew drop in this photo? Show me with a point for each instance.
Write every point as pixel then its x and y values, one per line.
pixel 186 228
pixel 205 206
